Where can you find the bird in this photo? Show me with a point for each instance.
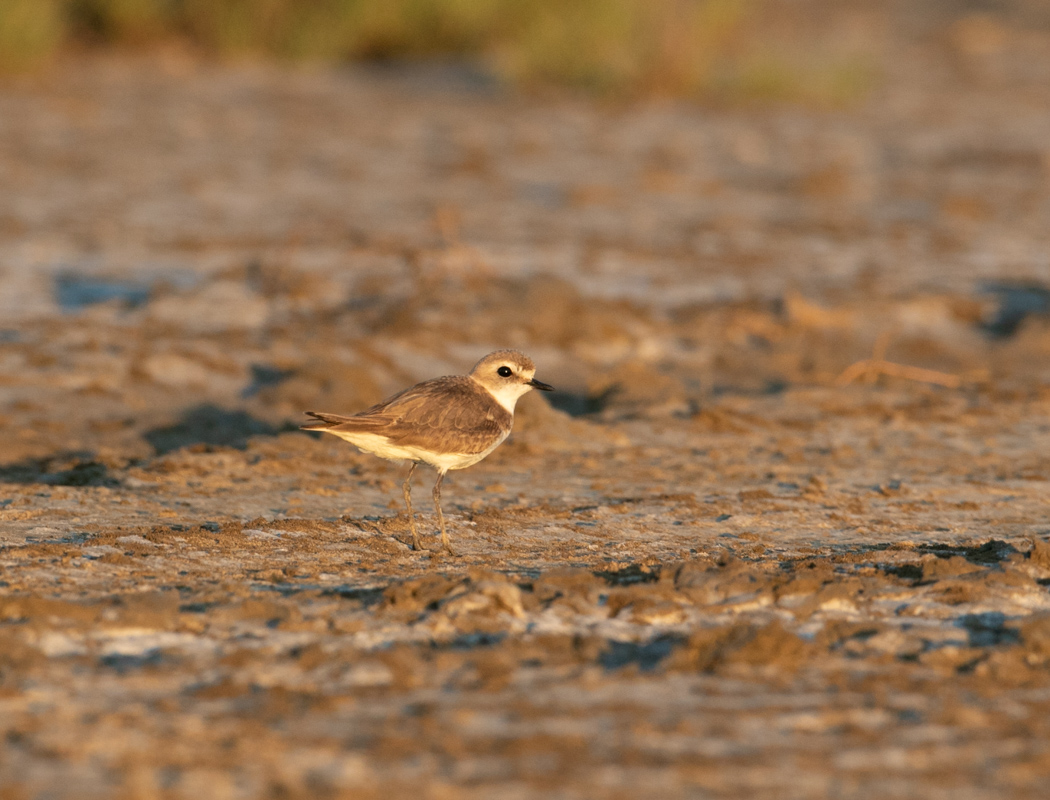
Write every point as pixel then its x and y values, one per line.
pixel 449 423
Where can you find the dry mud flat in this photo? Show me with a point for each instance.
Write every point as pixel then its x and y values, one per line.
pixel 709 569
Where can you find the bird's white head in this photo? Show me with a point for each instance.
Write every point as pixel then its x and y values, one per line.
pixel 507 375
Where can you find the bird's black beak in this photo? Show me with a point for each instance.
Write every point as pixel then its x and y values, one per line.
pixel 543 387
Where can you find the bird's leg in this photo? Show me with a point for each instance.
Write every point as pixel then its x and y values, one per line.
pixel 441 517
pixel 407 489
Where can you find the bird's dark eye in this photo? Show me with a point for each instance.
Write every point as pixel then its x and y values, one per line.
pixel 505 372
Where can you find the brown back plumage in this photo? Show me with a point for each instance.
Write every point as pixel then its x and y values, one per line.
pixel 451 414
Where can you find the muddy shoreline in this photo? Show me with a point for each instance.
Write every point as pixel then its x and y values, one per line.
pixel 713 564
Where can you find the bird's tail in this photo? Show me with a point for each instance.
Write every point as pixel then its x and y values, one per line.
pixel 326 421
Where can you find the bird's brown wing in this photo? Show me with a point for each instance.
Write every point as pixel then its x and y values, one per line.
pixel 451 414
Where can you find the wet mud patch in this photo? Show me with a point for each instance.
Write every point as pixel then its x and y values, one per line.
pixel 816 650
pixel 208 425
pixel 61 469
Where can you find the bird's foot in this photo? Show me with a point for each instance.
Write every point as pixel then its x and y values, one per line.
pixel 448 545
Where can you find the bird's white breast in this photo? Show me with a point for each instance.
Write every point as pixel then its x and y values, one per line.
pixel 381 446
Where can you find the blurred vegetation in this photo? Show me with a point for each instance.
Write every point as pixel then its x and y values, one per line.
pixel 663 47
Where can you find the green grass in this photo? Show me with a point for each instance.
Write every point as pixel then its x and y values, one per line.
pixel 609 47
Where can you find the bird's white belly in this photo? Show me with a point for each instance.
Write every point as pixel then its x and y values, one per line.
pixel 382 447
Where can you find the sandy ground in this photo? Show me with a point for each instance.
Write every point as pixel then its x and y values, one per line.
pixel 708 567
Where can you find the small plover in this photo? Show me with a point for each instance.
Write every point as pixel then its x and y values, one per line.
pixel 448 423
